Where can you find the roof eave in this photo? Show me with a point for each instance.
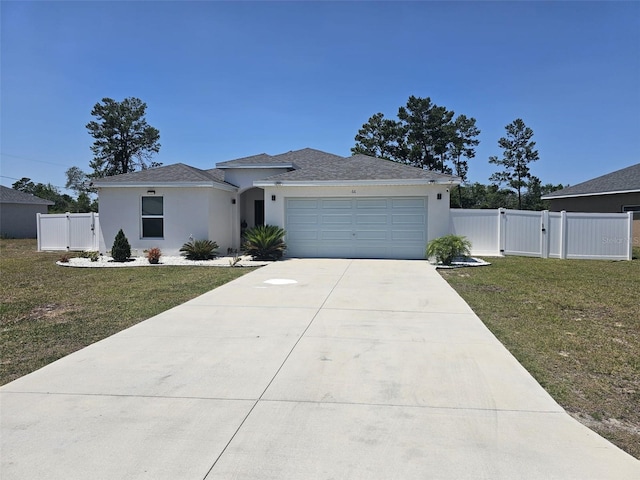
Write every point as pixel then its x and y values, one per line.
pixel 347 183
pixel 222 186
pixel 593 194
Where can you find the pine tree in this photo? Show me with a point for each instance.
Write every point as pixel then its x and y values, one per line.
pixel 121 250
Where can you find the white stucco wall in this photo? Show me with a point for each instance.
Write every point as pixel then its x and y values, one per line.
pixel 437 214
pixel 223 219
pixel 243 178
pixel 201 212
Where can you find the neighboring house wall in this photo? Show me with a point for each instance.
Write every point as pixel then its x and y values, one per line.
pixel 437 214
pixel 203 213
pixel 18 220
pixel 596 203
pixel 613 203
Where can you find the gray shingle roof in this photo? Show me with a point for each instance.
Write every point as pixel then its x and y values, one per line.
pixel 625 180
pixel 176 173
pixel 307 165
pixel 253 160
pixel 9 195
pixel 356 168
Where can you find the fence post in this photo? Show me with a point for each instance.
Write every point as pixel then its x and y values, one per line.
pixel 68 232
pixel 544 235
pixel 38 231
pixel 630 236
pixel 502 231
pixel 93 231
pixel 563 234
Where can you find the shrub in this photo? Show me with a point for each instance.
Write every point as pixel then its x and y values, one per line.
pixel 91 255
pixel 264 242
pixel 200 250
pixel 153 255
pixel 446 248
pixel 64 258
pixel 121 250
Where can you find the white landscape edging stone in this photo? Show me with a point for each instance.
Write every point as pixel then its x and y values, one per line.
pixel 107 262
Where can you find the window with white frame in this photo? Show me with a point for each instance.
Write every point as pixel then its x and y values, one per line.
pixel 632 208
pixel 152 217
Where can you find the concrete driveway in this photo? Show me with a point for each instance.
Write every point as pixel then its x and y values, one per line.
pixel 304 369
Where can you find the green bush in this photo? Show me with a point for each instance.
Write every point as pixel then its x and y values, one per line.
pixel 264 242
pixel 446 248
pixel 121 250
pixel 91 255
pixel 200 250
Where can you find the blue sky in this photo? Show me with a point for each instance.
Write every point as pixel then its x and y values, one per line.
pixel 224 80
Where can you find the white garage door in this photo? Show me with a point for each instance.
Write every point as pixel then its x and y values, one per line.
pixel 386 227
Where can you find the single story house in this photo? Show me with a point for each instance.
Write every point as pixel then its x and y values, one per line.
pixel 330 206
pixel 18 212
pixel 618 191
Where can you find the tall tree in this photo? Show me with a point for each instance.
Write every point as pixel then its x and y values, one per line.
pixel 62 202
pixel 429 131
pixel 425 136
pixel 518 152
pixel 123 139
pixel 77 180
pixel 463 146
pixel 380 137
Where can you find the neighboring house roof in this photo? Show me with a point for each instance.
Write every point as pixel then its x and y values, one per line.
pixel 178 173
pixel 9 195
pixel 626 180
pixel 306 166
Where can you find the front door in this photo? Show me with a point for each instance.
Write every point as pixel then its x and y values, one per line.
pixel 258 212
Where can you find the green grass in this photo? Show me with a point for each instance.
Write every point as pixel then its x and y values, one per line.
pixel 48 311
pixel 575 325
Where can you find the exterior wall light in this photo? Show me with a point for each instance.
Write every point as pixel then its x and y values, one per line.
pixel 273 198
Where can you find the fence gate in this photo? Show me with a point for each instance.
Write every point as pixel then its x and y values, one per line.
pixel 604 236
pixel 522 233
pixel 68 231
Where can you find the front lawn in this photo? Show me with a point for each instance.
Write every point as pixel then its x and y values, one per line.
pixel 575 326
pixel 48 311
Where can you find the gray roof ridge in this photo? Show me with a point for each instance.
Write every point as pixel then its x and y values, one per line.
pixel 624 179
pixel 10 195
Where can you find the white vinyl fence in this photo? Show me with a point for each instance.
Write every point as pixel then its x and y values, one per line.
pixel 598 236
pixel 68 231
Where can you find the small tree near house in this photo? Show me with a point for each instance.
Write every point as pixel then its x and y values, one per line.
pixel 121 250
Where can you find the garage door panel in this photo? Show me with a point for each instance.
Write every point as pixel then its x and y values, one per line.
pixel 376 227
pixel 372 235
pixel 408 219
pixel 418 203
pixel 335 235
pixel 407 235
pixel 368 219
pixel 336 203
pixel 371 203
pixel 334 219
pixel 303 219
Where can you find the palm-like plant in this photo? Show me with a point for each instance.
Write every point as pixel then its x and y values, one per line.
pixel 200 250
pixel 264 242
pixel 446 248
